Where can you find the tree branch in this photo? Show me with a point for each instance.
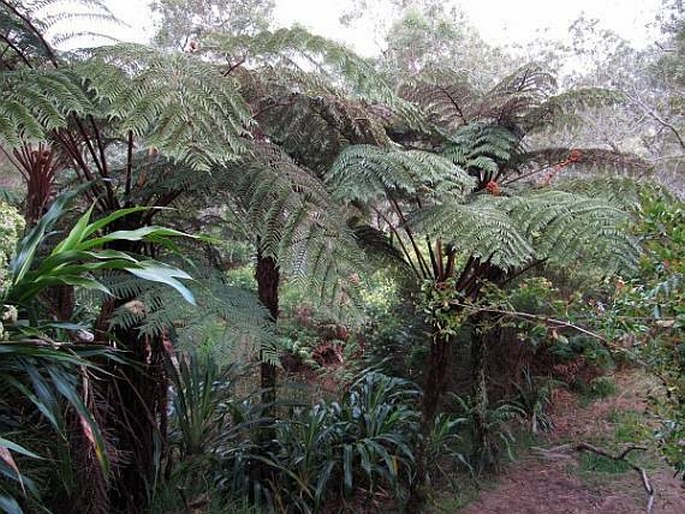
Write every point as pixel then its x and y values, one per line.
pixel 621 457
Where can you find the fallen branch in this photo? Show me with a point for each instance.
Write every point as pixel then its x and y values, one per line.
pixel 622 457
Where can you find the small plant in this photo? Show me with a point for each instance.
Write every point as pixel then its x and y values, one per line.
pixel 498 436
pixel 598 463
pixel 601 387
pixel 534 399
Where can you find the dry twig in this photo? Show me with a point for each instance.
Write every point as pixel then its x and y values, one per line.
pixel 622 457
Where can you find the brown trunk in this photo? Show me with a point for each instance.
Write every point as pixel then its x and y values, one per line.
pixel 437 370
pixel 268 276
pixel 438 367
pixel 136 394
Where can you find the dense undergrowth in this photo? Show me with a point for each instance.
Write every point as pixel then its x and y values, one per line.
pixel 264 274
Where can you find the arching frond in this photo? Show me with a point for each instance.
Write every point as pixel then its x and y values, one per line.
pixel 480 229
pixel 508 232
pixel 313 130
pixel 513 98
pixel 297 49
pixel 367 173
pixel 565 108
pixel 35 102
pixel 484 151
pixel 585 160
pixel 228 319
pixel 448 100
pixel 566 226
pixel 175 102
pixel 31 29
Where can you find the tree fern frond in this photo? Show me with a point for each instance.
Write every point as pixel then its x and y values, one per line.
pixel 480 229
pixel 584 160
pixel 567 226
pixel 366 174
pixel 564 109
pixel 297 48
pixel 228 319
pixel 448 100
pixel 623 193
pixel 176 103
pixel 524 90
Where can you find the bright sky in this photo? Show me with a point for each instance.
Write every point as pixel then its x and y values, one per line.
pixel 499 21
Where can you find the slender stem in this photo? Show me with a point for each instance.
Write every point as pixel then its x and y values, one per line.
pixel 129 168
pixel 536 317
pixel 16 50
pixel 31 26
pixel 12 161
pixel 407 254
pixel 419 256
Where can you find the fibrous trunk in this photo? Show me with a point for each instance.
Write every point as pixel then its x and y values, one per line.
pixel 268 275
pixel 480 395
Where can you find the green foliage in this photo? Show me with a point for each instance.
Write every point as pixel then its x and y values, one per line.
pixel 45 377
pixel 600 464
pixel 11 226
pixel 366 174
pixel 648 311
pixel 74 259
pixel 535 399
pixel 497 431
pixel 601 388
pixel 364 442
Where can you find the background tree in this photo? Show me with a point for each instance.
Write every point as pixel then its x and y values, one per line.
pixel 182 24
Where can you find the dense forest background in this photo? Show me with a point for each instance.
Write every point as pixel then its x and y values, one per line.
pixel 244 269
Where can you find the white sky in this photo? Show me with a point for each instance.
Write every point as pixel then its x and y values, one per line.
pixel 498 21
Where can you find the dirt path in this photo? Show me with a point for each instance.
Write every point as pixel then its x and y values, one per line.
pixel 560 483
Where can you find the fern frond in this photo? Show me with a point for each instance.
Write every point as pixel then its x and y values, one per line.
pixel 174 102
pixel 448 99
pixel 296 48
pixel 508 102
pixel 286 209
pixel 564 109
pixel 480 229
pixel 482 150
pixel 566 226
pixel 366 174
pixel 35 102
pixel 584 160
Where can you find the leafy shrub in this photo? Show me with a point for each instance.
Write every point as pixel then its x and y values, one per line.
pixel 362 443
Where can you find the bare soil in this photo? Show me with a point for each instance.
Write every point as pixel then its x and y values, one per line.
pixel 548 482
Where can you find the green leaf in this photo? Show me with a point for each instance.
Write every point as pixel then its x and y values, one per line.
pixel 164 274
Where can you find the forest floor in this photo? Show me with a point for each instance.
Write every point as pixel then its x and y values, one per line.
pixel 551 477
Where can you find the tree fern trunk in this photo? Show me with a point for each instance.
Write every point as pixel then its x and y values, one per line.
pixel 438 367
pixel 136 396
pixel 437 370
pixel 138 399
pixel 480 396
pixel 268 276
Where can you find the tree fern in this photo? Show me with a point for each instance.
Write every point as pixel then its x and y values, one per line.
pixel 294 220
pixel 297 49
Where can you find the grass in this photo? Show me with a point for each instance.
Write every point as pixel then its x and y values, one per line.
pixel 463 491
pixel 598 388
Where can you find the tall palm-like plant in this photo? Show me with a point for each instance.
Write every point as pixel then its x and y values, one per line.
pixel 41 375
pixel 117 118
